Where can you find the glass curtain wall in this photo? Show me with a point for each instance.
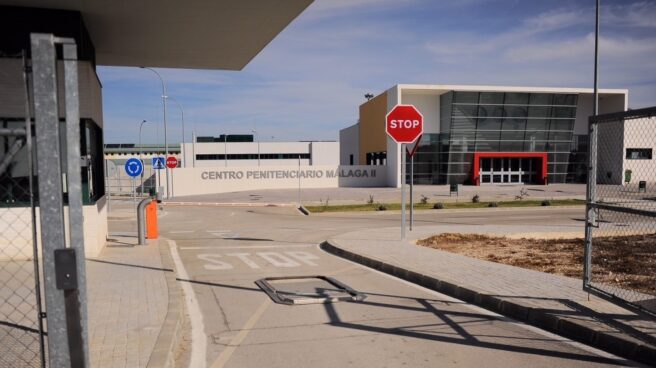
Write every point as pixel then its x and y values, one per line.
pixel 502 122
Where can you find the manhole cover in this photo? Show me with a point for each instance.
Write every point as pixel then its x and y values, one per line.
pixel 296 290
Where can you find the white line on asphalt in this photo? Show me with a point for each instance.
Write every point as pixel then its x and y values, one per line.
pixel 481 310
pixel 198 340
pixel 250 247
pixel 181 231
pixel 218 231
pixel 239 338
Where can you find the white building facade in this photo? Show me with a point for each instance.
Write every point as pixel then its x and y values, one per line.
pixel 481 135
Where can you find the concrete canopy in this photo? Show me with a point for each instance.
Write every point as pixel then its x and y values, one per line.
pixel 195 34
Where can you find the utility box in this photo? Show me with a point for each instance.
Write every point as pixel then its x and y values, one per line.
pixel 151 221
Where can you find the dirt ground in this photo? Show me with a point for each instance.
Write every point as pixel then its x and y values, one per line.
pixel 628 262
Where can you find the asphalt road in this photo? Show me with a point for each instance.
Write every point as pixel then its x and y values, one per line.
pixel 223 251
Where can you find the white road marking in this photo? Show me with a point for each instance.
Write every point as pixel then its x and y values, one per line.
pixel 214 264
pixel 278 260
pixel 181 231
pixel 250 247
pixel 218 231
pixel 244 258
pixel 198 339
pixel 304 257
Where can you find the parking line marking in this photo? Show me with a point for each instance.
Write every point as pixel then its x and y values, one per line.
pixel 181 231
pixel 239 338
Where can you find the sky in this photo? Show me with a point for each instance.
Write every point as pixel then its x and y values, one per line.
pixel 308 83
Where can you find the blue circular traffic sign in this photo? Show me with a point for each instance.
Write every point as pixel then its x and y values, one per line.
pixel 133 167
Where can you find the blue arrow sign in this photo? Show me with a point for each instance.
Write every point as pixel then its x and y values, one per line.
pixel 158 163
pixel 133 167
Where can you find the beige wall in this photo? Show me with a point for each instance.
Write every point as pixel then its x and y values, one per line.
pixel 204 180
pixel 640 133
pixel 16 231
pixel 372 134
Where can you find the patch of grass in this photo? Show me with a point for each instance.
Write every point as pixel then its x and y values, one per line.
pixel 450 205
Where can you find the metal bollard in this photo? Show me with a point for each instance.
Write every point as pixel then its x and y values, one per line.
pixel 141 221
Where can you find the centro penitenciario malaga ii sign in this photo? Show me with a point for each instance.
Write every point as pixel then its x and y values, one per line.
pixel 287 174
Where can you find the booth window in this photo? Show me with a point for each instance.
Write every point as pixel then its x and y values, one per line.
pixel 638 153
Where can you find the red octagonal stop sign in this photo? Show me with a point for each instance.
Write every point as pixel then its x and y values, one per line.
pixel 404 124
pixel 171 162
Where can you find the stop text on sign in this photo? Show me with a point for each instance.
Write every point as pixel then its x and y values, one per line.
pixel 407 124
pixel 404 124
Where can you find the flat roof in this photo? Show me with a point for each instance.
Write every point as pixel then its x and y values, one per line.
pixel 199 34
pixel 441 88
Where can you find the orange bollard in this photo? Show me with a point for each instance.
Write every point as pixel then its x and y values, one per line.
pixel 151 220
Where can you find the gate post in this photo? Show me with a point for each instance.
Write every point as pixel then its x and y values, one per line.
pixel 46 121
pixel 65 305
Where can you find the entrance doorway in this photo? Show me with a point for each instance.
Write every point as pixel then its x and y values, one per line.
pixel 509 168
pixel 514 170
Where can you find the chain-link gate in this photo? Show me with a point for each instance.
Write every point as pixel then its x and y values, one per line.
pixel 41 254
pixel 620 234
pixel 22 337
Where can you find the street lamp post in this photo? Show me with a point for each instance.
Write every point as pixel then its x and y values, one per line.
pixel 141 153
pixel 257 137
pixel 166 143
pixel 184 162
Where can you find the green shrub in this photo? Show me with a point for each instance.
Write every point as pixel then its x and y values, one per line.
pixel 546 202
pixel 381 207
pixel 371 199
pixel 438 206
pixel 424 199
pixel 493 204
pixel 476 199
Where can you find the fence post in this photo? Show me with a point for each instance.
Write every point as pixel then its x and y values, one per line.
pixel 75 205
pixel 591 194
pixel 46 121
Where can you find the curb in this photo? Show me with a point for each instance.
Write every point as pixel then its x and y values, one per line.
pixel 563 326
pixel 166 345
pixel 457 210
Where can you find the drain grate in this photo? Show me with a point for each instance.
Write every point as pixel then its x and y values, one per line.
pixel 298 290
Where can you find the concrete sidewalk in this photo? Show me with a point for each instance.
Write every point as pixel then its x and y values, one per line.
pixel 551 302
pixel 135 305
pixel 433 193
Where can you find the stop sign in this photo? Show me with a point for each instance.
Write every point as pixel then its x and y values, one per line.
pixel 404 124
pixel 171 162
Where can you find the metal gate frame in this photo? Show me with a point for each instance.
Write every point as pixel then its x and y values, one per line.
pixel 66 306
pixel 593 205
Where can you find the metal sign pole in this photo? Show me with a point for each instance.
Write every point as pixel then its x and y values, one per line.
pixel 412 181
pixel 298 174
pixel 403 168
pixel 134 192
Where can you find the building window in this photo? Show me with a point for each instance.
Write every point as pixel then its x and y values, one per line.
pixel 255 156
pixel 350 159
pixel 376 158
pixel 638 153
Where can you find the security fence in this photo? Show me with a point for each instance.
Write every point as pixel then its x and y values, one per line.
pixel 42 267
pixel 620 243
pixel 22 338
pixel 118 183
